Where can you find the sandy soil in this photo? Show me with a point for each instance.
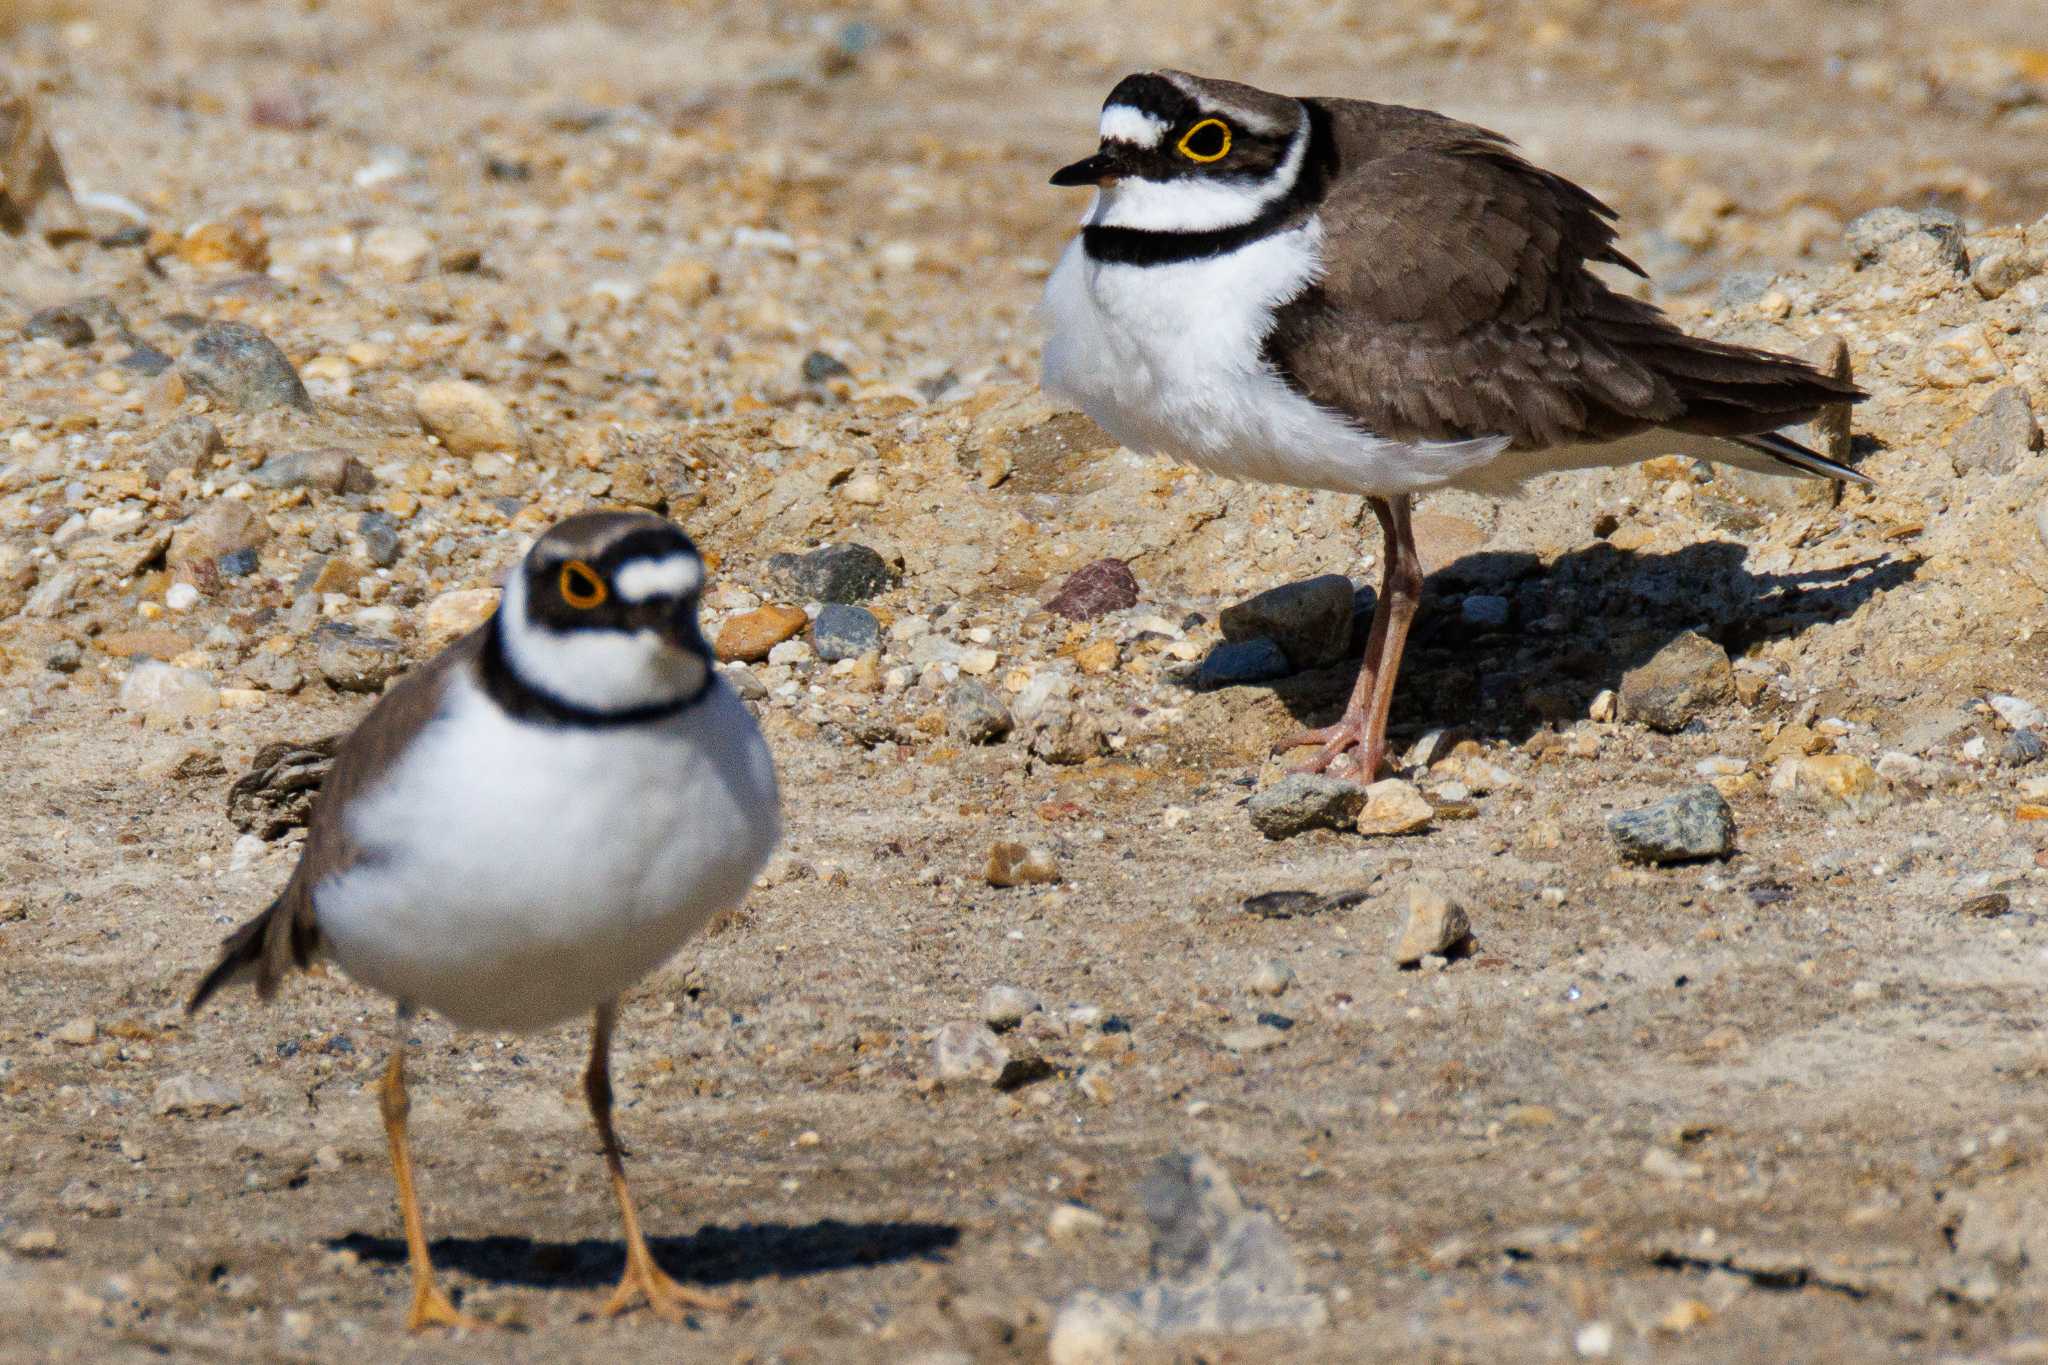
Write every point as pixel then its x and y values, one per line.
pixel 1784 1106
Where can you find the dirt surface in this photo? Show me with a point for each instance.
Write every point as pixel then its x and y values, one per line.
pixel 772 270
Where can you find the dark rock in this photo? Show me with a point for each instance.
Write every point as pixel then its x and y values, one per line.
pixel 1986 907
pixel 238 563
pixel 144 359
pixel 1689 676
pixel 1696 823
pixel 1999 437
pixel 1309 620
pixel 64 657
pixel 819 367
pixel 63 323
pixel 1253 661
pixel 235 364
pixel 2023 747
pixel 976 714
pixel 276 794
pixel 380 538
pixel 1095 590
pixel 837 573
pixel 329 469
pixel 354 662
pixel 844 632
pixel 1908 239
pixel 1301 802
pixel 1283 904
pixel 188 443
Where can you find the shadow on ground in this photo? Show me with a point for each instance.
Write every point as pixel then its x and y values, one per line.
pixel 1576 627
pixel 714 1255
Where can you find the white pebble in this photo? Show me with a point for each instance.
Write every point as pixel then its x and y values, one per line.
pixel 181 596
pixel 1271 977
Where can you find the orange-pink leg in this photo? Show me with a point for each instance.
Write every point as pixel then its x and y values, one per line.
pixel 1356 745
pixel 643 1278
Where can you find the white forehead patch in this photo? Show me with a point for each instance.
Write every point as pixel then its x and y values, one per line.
pixel 669 576
pixel 1122 123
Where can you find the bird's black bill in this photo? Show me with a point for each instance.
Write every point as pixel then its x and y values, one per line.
pixel 1091 170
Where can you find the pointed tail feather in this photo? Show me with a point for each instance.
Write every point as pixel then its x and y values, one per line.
pixel 262 950
pixel 1797 459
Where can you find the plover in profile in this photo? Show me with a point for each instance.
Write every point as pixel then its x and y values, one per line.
pixel 1378 300
pixel 527 825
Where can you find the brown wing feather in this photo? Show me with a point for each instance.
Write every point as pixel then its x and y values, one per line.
pixel 1457 302
pixel 287 933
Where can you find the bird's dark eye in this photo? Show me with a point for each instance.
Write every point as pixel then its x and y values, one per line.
pixel 1208 140
pixel 581 587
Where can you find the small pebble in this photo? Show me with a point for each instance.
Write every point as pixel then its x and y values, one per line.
pixel 1005 1007
pixel 1301 802
pixel 352 661
pixel 749 636
pixel 1271 977
pixel 468 418
pixel 1437 923
pixel 1071 1222
pixel 845 632
pixel 1309 620
pixel 79 1032
pixel 1011 864
pixel 842 574
pixel 234 364
pixel 1696 823
pixel 195 1096
pixel 965 1050
pixel 163 694
pixel 1094 590
pixel 975 714
pixel 1393 806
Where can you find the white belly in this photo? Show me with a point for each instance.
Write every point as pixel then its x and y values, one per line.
pixel 514 875
pixel 1167 359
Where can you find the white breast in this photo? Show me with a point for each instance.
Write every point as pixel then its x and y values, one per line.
pixel 515 875
pixel 1167 359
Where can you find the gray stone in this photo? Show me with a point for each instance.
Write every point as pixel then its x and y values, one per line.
pixel 233 363
pixel 239 563
pixel 974 713
pixel 380 538
pixel 1908 239
pixel 1739 287
pixel 187 443
pixel 1220 1266
pixel 354 662
pixel 1999 437
pixel 1304 801
pixel 1696 823
pixel 837 573
pixel 1687 677
pixel 845 632
pixel 1310 620
pixel 63 323
pixel 1484 610
pixel 1067 734
pixel 965 1050
pixel 329 469
pixel 1238 665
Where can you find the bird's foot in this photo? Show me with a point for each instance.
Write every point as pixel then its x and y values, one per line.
pixel 1341 751
pixel 669 1298
pixel 432 1308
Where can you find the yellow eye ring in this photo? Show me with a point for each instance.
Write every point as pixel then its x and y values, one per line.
pixel 581 587
pixel 1186 144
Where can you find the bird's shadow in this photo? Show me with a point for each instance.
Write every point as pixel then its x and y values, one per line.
pixel 1577 625
pixel 713 1255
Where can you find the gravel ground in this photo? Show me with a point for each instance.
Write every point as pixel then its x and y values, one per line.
pixel 370 293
